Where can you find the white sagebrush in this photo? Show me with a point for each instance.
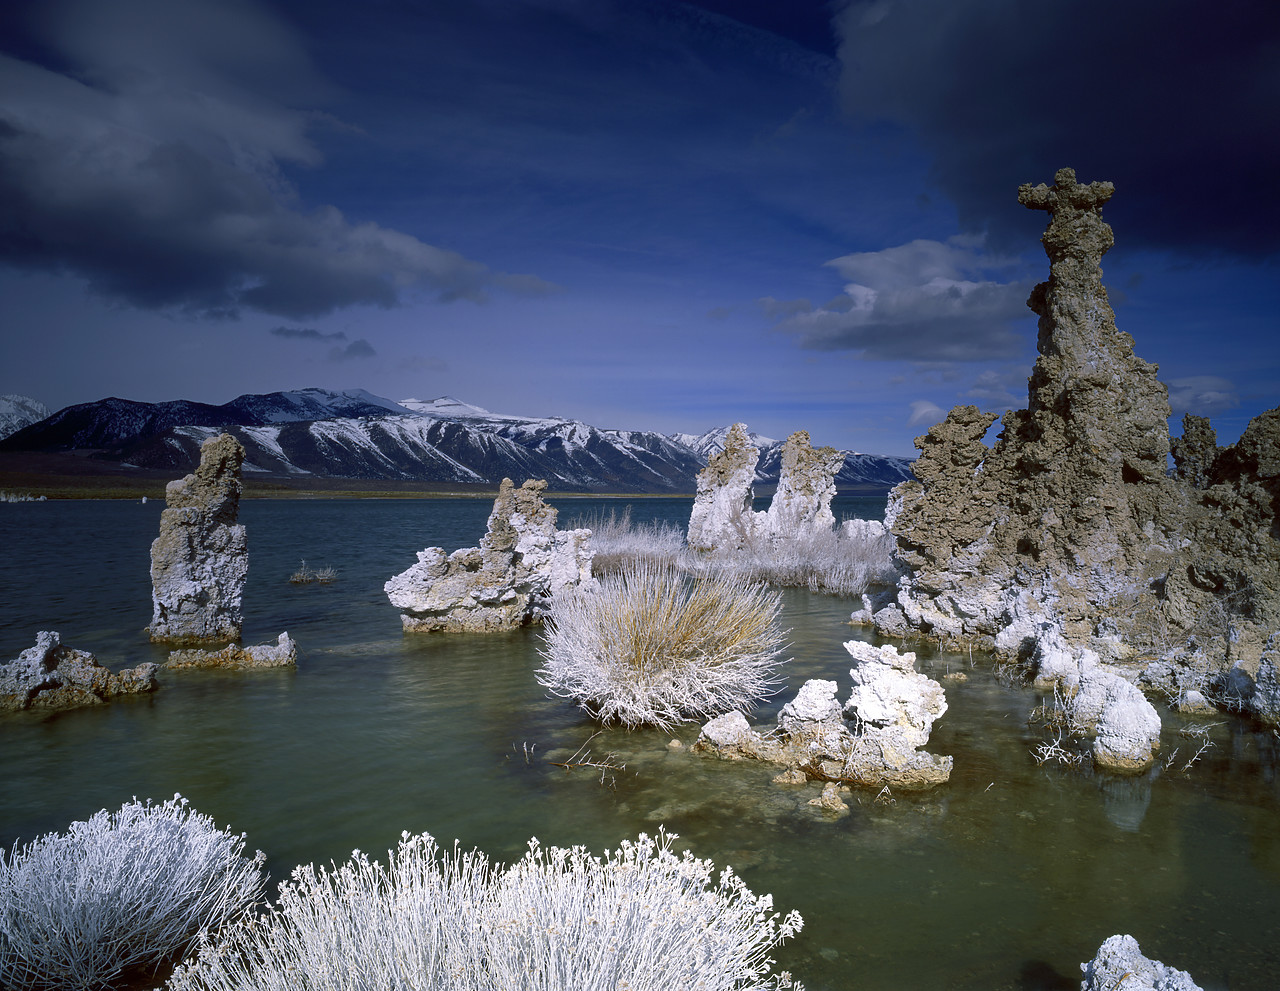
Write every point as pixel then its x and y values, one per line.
pixel 120 891
pixel 653 646
pixel 638 919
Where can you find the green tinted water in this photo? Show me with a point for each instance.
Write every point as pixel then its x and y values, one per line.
pixel 1007 877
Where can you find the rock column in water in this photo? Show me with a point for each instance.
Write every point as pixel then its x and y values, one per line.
pixel 200 560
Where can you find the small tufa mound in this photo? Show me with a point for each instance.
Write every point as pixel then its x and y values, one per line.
pixel 200 559
pixel 118 893
pixel 283 653
pixel 1120 966
pixel 875 739
pixel 51 676
pixel 522 563
pixel 652 646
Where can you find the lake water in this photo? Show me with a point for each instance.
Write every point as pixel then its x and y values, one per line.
pixel 1007 877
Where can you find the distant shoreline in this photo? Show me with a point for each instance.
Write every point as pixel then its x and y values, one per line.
pixel 75 476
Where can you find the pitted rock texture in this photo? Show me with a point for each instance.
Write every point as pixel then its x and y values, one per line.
pixel 807 483
pixel 282 653
pixel 722 516
pixel 1070 518
pixel 51 676
pixel 1120 966
pixel 874 739
pixel 200 559
pixel 506 582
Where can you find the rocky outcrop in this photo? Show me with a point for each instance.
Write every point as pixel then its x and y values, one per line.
pixel 1120 966
pixel 51 676
pixel 282 653
pixel 200 560
pixel 722 516
pixel 1125 726
pixel 1069 520
pixel 506 582
pixel 874 739
pixel 802 502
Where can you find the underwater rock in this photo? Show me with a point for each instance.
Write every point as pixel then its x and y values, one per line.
pixel 873 739
pixel 1120 966
pixel 722 517
pixel 801 504
pixel 200 559
pixel 283 653
pixel 52 676
pixel 506 582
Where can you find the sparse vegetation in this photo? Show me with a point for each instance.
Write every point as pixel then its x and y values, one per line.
pixel 305 576
pixel 118 895
pixel 833 562
pixel 655 646
pixel 640 918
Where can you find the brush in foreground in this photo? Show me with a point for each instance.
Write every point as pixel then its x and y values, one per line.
pixel 653 646
pixel 640 918
pixel 120 892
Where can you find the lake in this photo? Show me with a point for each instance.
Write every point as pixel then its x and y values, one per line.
pixel 1007 877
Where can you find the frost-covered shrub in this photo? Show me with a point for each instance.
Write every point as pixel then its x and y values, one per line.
pixel 124 890
pixel 654 646
pixel 833 562
pixel 640 918
pixel 617 543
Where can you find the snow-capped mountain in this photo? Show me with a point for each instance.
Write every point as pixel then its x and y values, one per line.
pixel 17 412
pixel 355 434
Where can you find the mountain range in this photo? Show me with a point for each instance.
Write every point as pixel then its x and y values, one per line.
pixel 355 434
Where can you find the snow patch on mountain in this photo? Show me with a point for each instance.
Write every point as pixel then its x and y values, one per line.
pixel 17 412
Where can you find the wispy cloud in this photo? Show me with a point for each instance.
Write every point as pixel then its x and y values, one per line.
pixel 1203 395
pixel 359 348
pixel 922 301
pixel 925 413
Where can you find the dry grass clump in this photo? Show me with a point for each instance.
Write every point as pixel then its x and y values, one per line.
pixel 618 543
pixel 654 646
pixel 118 895
pixel 832 562
pixel 305 576
pixel 640 918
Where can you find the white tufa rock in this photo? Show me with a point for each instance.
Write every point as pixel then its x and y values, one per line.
pixel 1120 966
pixel 728 730
pixel 200 559
pixel 891 701
pixel 722 516
pixel 508 581
pixel 801 504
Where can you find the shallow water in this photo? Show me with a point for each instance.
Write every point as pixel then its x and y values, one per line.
pixel 1007 877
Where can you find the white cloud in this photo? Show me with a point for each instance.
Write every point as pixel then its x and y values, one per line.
pixel 924 412
pixel 1203 395
pixel 921 301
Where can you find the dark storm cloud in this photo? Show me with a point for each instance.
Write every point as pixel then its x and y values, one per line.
pixel 307 334
pixel 356 349
pixel 149 162
pixel 1172 100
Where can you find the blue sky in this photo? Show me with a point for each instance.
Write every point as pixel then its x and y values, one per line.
pixel 643 214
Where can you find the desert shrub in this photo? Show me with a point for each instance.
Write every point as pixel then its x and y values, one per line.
pixel 640 918
pixel 654 646
pixel 119 892
pixel 305 576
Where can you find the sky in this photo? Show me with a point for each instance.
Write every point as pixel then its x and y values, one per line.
pixel 642 214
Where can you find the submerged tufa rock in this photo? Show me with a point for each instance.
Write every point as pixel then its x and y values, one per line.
pixel 506 582
pixel 51 676
pixel 282 653
pixel 200 560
